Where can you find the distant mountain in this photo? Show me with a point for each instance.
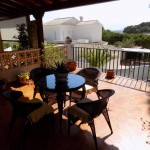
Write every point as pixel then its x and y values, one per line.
pixel 118 31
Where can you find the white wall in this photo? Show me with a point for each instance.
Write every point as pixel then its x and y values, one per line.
pixel 97 32
pixel 51 33
pixel 93 32
pixel 8 33
pixel 58 32
pixel 67 30
pixel 83 32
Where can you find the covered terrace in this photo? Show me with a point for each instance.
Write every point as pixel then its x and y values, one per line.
pixel 129 109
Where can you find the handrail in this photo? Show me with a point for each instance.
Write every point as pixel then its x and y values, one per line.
pixel 135 65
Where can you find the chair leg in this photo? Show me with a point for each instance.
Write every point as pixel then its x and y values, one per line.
pixel 26 132
pixel 71 121
pixel 106 116
pixel 14 117
pixel 92 126
pixel 51 118
pixel 70 94
pixel 69 124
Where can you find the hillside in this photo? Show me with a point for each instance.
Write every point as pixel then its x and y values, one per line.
pixel 141 28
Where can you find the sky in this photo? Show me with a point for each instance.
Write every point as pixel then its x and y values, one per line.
pixel 114 15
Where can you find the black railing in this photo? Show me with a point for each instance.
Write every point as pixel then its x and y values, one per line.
pixel 130 64
pixel 10 45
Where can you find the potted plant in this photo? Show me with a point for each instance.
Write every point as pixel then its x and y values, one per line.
pixel 22 36
pixel 110 74
pixel 61 71
pixel 71 64
pixel 68 40
pixel 23 78
pixel 52 53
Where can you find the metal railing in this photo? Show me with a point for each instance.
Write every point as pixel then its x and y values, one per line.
pixel 134 65
pixel 10 45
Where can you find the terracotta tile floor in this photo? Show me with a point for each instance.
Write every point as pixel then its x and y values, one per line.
pixel 129 111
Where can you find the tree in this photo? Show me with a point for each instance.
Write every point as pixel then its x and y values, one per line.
pixel 126 43
pixel 141 28
pixel 22 36
pixel 111 37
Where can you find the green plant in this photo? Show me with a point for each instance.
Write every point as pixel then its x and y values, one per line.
pixel 22 37
pixel 68 40
pixel 97 57
pixel 70 60
pixel 23 77
pixel 23 74
pixel 52 53
pixel 61 67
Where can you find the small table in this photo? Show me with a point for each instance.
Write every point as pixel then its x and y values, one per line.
pixel 73 83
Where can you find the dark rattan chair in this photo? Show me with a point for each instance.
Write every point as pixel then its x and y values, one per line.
pixel 38 73
pixel 30 110
pixel 91 75
pixel 87 110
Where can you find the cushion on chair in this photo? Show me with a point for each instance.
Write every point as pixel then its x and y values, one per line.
pixel 40 112
pixel 79 113
pixel 89 89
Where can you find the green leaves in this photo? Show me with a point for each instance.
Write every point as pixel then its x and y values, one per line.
pixel 22 36
pixel 52 53
pixel 61 67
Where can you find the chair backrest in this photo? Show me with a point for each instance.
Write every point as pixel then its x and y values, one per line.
pixel 91 75
pixel 105 93
pixel 95 108
pixel 37 73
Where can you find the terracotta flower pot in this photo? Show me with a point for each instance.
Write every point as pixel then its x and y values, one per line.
pixel 23 78
pixel 71 65
pixel 110 74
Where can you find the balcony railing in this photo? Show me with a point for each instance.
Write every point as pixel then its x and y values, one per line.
pixel 10 45
pixel 134 65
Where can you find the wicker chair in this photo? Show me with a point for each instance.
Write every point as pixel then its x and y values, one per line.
pixel 32 111
pixel 87 110
pixel 36 74
pixel 91 75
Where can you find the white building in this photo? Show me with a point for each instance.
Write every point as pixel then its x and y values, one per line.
pixel 58 29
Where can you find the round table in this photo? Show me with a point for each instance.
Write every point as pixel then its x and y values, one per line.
pixel 49 83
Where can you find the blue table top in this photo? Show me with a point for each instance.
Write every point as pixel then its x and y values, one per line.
pixel 74 82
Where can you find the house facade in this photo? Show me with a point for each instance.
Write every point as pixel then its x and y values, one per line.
pixel 58 29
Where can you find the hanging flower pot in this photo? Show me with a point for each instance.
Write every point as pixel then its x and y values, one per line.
pixel 110 74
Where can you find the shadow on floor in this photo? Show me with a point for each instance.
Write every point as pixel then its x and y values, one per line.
pixel 43 137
